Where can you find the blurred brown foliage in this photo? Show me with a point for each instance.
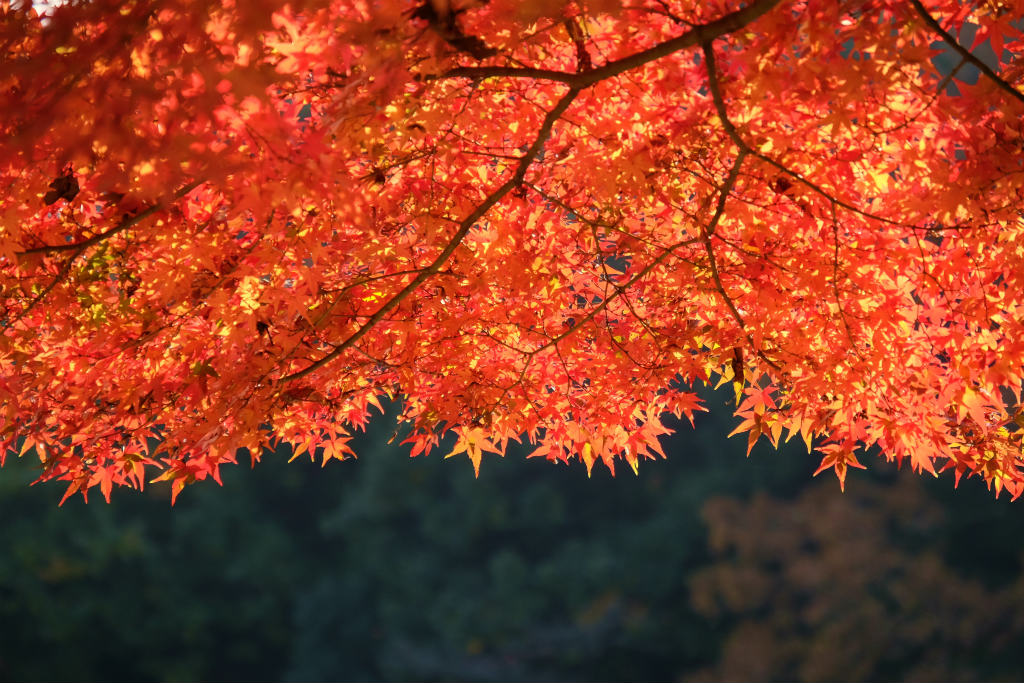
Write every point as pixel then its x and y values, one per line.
pixel 849 587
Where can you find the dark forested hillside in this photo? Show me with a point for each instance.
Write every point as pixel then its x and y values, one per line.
pixel 386 568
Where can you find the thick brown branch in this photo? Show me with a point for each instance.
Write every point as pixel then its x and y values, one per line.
pixel 481 72
pixel 701 34
pixel 698 35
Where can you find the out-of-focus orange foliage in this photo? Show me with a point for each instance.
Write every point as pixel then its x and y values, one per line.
pixel 826 588
pixel 225 224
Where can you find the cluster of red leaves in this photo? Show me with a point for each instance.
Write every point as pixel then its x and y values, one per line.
pixel 528 220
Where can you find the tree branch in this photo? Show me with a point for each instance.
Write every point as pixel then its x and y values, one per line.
pixel 706 234
pixel 61 275
pixel 700 34
pixel 464 227
pixel 716 95
pixel 481 72
pixel 964 53
pixel 79 247
pixel 120 227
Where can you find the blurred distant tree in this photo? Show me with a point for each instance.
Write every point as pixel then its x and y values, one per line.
pixel 137 592
pixel 853 588
pixel 386 569
pixel 376 569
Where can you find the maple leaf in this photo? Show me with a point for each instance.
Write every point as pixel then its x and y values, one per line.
pixel 65 186
pixel 474 443
pixel 839 459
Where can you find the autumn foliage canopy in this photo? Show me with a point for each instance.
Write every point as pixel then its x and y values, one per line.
pixel 230 224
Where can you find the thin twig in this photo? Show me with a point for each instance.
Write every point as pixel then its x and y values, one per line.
pixel 964 53
pixel 464 227
pixel 120 227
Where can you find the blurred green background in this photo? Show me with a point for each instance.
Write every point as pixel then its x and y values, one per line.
pixel 707 566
